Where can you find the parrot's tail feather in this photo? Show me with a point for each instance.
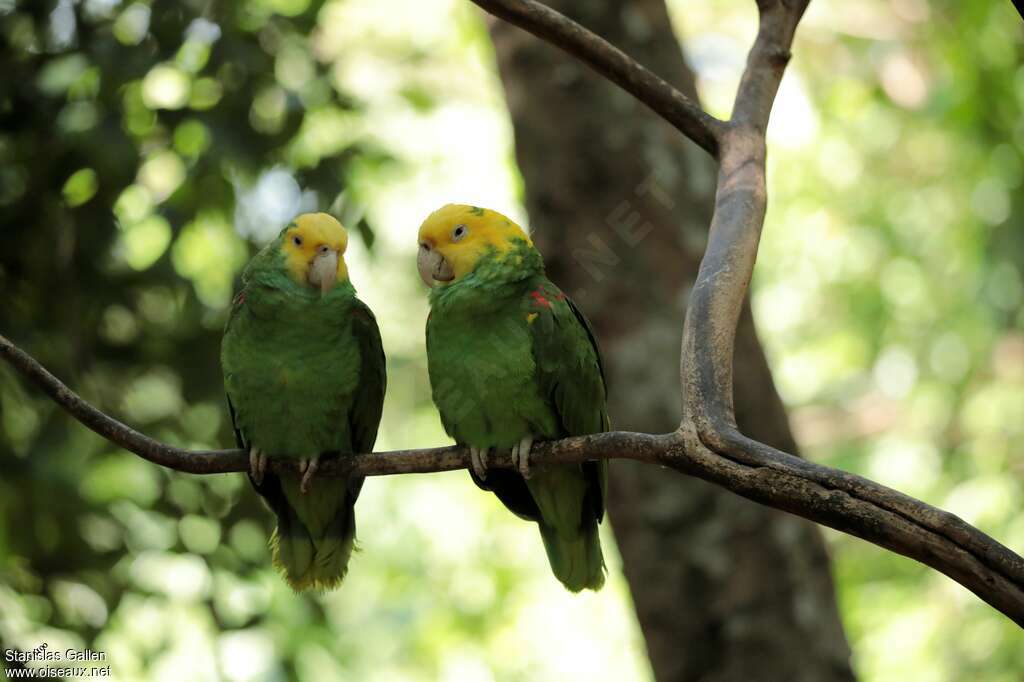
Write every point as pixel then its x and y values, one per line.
pixel 291 547
pixel 568 525
pixel 576 561
pixel 315 534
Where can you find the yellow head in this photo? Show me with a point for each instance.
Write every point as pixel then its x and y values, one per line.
pixel 314 249
pixel 455 237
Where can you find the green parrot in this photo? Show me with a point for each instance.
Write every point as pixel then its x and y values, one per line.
pixel 305 377
pixel 512 360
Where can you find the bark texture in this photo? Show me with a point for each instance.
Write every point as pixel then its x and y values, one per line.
pixel 725 590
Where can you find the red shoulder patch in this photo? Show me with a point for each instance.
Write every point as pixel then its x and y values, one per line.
pixel 239 299
pixel 539 299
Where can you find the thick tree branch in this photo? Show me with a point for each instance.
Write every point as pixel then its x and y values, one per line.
pixel 673 106
pixel 712 447
pixel 834 498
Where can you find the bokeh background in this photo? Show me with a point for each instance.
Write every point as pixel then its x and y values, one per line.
pixel 147 150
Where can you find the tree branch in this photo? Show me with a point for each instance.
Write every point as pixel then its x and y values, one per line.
pixel 639 446
pixel 609 61
pixel 835 498
pixel 709 445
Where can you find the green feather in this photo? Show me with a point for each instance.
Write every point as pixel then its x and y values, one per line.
pixel 305 376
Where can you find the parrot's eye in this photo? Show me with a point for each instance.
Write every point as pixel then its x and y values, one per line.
pixel 459 232
pixel 297 240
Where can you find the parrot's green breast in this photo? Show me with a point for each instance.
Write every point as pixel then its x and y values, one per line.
pixel 291 368
pixel 483 375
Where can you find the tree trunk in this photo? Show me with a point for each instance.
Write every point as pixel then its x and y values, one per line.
pixel 724 589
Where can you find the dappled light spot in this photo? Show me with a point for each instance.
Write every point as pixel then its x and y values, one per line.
pixel 78 117
pixel 141 244
pixel 12 183
pixel 80 187
pixel 323 134
pixel 166 87
pixel 268 109
pixel 152 396
pixel 101 533
pixel 237 600
pixel 79 604
pixel 119 325
pixel 199 534
pixel 908 464
pixel 984 499
pixel 293 68
pixel 191 138
pixel 18 418
pixel 207 252
pixel 949 357
pixel 1004 288
pixel 794 121
pixel 184 493
pixel 60 74
pixel 132 24
pixel 264 207
pixel 206 93
pixel 158 306
pixel 249 540
pixel 990 200
pixel 139 119
pixel 162 173
pixel 904 80
pixel 247 655
pixel 895 372
pixel 117 477
pixel 134 204
pixel 179 576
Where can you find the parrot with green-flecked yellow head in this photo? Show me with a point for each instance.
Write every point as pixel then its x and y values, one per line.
pixel 305 377
pixel 511 361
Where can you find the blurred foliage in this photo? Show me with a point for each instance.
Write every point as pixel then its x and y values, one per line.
pixel 145 150
pixel 889 290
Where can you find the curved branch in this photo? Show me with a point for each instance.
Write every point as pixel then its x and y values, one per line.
pixel 639 446
pixel 835 498
pixel 843 501
pixel 679 110
pixel 712 447
pixel 741 199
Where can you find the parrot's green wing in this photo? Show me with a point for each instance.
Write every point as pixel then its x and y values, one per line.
pixel 364 417
pixel 270 487
pixel 571 374
pixel 369 399
pixel 236 305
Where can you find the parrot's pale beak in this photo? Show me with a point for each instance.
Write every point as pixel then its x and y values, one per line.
pixel 323 271
pixel 432 266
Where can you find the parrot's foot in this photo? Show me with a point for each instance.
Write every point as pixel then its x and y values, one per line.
pixel 257 465
pixel 521 455
pixel 478 456
pixel 308 467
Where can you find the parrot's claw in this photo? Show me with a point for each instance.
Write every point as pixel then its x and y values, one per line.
pixel 478 456
pixel 308 467
pixel 521 455
pixel 257 465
